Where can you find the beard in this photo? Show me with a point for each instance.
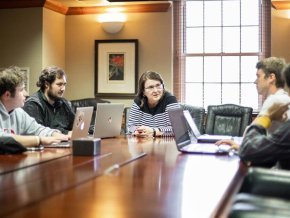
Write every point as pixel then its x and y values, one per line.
pixel 52 96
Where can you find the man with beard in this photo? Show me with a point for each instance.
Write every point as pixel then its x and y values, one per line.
pixel 15 123
pixel 47 105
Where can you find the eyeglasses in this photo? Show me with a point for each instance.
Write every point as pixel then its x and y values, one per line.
pixel 157 86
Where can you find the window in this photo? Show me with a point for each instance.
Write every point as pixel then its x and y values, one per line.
pixel 220 42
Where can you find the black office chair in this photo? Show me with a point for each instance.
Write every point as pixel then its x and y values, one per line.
pixel 198 115
pixel 126 119
pixel 227 119
pixel 264 193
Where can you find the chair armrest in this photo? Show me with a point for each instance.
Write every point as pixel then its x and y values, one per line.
pixel 267 182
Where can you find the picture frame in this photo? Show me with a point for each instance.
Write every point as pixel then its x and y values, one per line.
pixel 116 68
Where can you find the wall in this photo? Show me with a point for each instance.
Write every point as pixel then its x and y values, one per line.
pixel 21 40
pixel 53 39
pixel 154 34
pixel 280 34
pixel 36 37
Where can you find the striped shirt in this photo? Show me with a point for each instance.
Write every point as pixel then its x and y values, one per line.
pixel 156 117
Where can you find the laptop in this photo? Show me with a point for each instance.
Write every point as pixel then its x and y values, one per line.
pixel 108 120
pixel 205 138
pixel 186 141
pixel 80 129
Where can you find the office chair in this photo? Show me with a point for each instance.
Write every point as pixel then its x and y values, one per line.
pixel 227 119
pixel 126 119
pixel 263 193
pixel 198 115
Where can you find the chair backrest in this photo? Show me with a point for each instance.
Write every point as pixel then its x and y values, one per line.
pixel 198 115
pixel 227 119
pixel 126 119
pixel 86 102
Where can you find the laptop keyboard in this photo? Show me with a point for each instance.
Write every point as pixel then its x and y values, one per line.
pixel 202 147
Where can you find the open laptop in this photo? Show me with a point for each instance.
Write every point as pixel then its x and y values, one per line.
pixel 205 138
pixel 108 120
pixel 80 129
pixel 186 141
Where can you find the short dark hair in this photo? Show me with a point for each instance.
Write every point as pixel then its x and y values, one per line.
pixel 273 65
pixel 49 75
pixel 286 74
pixel 10 79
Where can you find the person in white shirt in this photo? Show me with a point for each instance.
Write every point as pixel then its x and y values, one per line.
pixel 270 85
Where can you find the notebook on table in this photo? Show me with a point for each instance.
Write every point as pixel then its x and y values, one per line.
pixel 80 129
pixel 108 120
pixel 186 141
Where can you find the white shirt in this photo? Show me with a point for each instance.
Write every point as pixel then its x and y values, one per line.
pixel 281 96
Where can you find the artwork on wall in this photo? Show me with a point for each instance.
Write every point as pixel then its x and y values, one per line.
pixel 116 68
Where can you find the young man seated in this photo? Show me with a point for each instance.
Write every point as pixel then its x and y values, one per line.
pixel 15 122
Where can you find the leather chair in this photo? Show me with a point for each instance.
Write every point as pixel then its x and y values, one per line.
pixel 126 119
pixel 197 113
pixel 86 102
pixel 227 119
pixel 264 193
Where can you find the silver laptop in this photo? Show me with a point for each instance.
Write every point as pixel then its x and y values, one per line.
pixel 80 129
pixel 205 138
pixel 186 141
pixel 108 120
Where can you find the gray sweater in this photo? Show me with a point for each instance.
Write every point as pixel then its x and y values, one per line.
pixel 18 122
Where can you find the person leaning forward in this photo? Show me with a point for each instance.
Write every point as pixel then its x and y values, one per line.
pixel 47 105
pixel 15 122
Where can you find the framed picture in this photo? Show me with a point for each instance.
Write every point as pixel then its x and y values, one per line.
pixel 116 68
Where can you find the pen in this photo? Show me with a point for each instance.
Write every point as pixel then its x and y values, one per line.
pixel 119 165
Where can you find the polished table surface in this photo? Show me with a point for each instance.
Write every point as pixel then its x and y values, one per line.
pixel 130 178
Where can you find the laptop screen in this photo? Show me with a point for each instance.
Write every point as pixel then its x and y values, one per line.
pixel 108 120
pixel 179 126
pixel 191 123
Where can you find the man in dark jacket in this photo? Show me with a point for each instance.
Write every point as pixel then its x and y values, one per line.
pixel 47 105
pixel 260 149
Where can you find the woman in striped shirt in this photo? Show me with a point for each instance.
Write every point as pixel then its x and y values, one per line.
pixel 149 112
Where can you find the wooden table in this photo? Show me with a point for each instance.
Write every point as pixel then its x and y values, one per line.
pixel 122 182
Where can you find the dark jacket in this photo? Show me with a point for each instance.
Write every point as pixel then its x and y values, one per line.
pixel 57 116
pixel 260 149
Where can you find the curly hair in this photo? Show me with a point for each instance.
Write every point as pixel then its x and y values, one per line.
pixel 49 75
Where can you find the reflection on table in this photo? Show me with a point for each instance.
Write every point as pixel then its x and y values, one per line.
pixel 162 183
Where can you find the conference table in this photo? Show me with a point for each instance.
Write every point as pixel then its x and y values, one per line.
pixel 132 177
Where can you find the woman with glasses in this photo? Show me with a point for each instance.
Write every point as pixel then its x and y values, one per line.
pixel 149 112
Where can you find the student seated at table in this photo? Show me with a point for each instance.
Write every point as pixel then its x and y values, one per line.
pixel 149 112
pixel 261 149
pixel 15 122
pixel 47 105
pixel 270 85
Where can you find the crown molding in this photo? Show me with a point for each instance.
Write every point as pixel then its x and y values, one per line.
pixel 58 7
pixel 281 5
